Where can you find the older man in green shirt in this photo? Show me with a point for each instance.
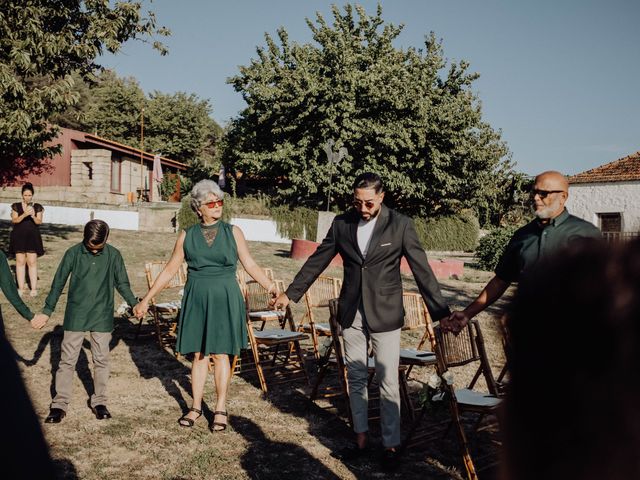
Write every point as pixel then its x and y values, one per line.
pixel 552 230
pixel 96 269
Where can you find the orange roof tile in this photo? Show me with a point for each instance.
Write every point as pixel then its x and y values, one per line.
pixel 622 170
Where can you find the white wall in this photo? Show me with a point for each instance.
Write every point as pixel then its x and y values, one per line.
pixel 259 230
pixel 253 229
pixel 587 200
pixel 123 220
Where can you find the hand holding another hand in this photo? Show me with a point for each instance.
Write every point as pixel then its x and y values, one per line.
pixel 281 302
pixel 39 320
pixel 140 309
pixel 455 322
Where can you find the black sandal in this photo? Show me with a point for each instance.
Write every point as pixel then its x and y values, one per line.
pixel 185 421
pixel 223 426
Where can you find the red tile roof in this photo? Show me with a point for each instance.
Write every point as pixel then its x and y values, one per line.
pixel 622 170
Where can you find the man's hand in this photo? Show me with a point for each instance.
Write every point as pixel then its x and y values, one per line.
pixel 454 322
pixel 280 302
pixel 140 309
pixel 39 320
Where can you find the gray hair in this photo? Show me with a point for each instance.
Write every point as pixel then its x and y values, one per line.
pixel 201 191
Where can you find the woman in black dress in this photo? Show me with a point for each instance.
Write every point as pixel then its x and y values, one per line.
pixel 25 241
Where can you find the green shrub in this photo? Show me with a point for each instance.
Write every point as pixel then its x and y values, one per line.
pixel 252 205
pixel 456 232
pixel 491 246
pixel 299 222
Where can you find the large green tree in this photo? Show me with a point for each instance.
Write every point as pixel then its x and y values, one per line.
pixel 404 113
pixel 179 125
pixel 42 42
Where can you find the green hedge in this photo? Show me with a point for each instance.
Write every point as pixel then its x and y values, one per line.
pixel 299 222
pixel 492 245
pixel 457 232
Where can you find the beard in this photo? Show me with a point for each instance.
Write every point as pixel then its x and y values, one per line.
pixel 546 212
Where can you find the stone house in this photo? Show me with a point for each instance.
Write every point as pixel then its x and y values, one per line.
pixel 609 197
pixel 96 177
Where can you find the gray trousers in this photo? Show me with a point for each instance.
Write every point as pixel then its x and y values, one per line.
pixel 386 352
pixel 71 346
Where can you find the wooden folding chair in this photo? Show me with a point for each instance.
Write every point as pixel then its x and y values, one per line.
pixel 244 278
pixel 276 353
pixel 416 316
pixel 452 351
pixel 257 302
pixel 318 296
pixel 337 363
pixel 164 314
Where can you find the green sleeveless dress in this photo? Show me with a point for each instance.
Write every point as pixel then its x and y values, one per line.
pixel 212 317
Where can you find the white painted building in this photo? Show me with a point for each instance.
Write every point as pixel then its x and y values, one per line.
pixel 609 196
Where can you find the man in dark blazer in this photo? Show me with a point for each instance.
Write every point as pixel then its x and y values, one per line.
pixel 371 239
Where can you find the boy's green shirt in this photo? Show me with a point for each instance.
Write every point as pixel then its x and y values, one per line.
pixel 90 298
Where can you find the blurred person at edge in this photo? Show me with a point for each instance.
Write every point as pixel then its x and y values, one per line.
pixel 579 346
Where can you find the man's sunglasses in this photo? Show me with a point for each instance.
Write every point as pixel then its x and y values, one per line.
pixel 214 204
pixel 368 203
pixel 543 193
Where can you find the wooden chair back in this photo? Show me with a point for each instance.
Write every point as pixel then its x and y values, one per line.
pixel 244 278
pixel 164 315
pixel 257 297
pixel 153 269
pixel 323 290
pixel 464 348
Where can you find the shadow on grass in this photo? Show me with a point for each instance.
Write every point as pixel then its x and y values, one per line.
pixel 54 340
pixel 153 361
pixel 266 458
pixel 150 360
pixel 65 469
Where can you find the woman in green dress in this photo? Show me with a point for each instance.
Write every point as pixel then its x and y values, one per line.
pixel 212 316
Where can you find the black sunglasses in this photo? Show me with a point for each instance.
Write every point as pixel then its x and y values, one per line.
pixel 543 193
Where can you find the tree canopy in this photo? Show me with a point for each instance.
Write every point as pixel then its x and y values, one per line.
pixel 41 44
pixel 176 125
pixel 407 114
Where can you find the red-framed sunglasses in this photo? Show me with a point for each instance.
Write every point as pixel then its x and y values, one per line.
pixel 214 204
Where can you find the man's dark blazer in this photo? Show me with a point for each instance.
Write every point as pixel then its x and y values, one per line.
pixel 374 281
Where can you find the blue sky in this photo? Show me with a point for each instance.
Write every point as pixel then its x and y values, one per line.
pixel 561 78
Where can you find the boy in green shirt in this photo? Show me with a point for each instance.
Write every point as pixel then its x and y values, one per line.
pixel 97 269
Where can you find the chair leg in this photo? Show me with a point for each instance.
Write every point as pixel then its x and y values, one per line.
pixel 256 361
pixel 138 329
pixel 301 360
pixel 462 438
pixel 316 385
pixel 404 394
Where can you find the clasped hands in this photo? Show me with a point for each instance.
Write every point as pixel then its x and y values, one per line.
pixel 39 320
pixel 140 309
pixel 454 323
